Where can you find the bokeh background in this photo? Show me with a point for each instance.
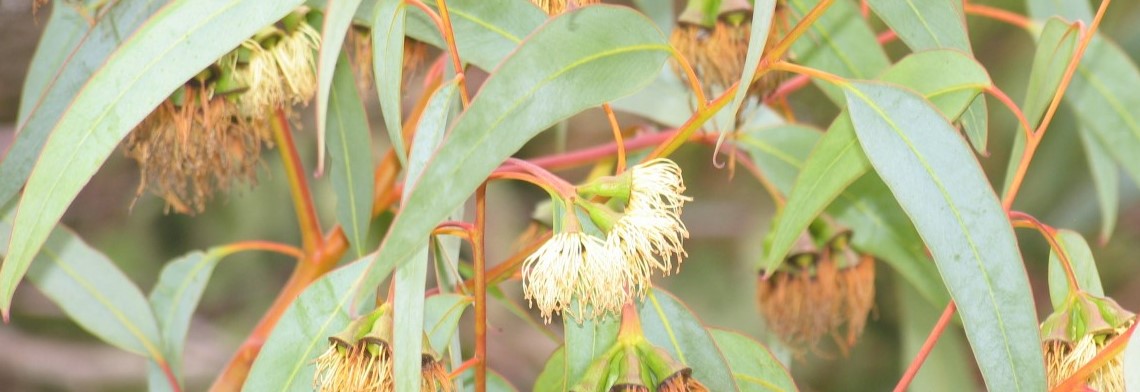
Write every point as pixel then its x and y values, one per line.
pixel 41 350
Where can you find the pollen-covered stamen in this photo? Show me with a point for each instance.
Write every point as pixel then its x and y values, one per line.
pixel 550 274
pixel 295 60
pixel 601 282
pixel 657 185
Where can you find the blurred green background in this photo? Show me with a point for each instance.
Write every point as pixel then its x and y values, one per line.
pixel 42 350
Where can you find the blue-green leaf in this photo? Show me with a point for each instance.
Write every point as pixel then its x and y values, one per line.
pixel 762 12
pixel 1132 363
pixel 350 149
pixel 60 86
pixel 285 362
pixel 925 24
pixel 1106 180
pixel 670 325
pixel 950 79
pixel 940 185
pixel 1084 266
pixel 388 68
pixel 62 34
pixel 94 293
pixel 840 42
pixel 337 19
pixel 486 31
pixel 553 375
pixel 584 343
pixel 175 44
pixel 753 367
pixel 441 316
pixel 175 297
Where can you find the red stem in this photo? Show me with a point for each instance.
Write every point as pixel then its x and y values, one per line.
pixel 477 243
pixel 298 184
pixel 927 347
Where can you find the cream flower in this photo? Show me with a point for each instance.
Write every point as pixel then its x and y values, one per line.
pixel 569 264
pixel 657 185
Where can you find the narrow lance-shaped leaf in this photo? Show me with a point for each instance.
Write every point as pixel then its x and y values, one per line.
pixel 486 31
pixel 576 61
pixel 62 34
pixel 1106 180
pixel 553 375
pixel 941 186
pixel 175 44
pixel 1084 266
pixel 350 149
pixel 1055 47
pixel 41 112
pixel 670 325
pixel 411 277
pixel 175 297
pixel 285 362
pixel 950 79
pixel 925 24
pixel 337 20
pixel 388 68
pixel 753 367
pixel 1131 358
pixel 94 293
pixel 840 42
pixel 441 317
pixel 762 12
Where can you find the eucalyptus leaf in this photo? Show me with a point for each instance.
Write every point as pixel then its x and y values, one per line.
pixel 61 84
pixel 93 292
pixel 285 362
pixel 585 341
pixel 175 297
pixel 388 67
pixel 441 316
pixel 670 325
pixel 840 42
pixel 935 178
pixel 925 24
pixel 753 367
pixel 175 44
pixel 553 375
pixel 486 31
pixel 1084 266
pixel 62 33
pixel 350 149
pixel 337 20
pixel 1131 359
pixel 1106 180
pixel 950 79
pixel 762 13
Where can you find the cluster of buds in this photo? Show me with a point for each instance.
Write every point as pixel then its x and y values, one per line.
pixel 824 287
pixel 605 273
pixel 633 364
pixel 713 37
pixel 210 132
pixel 1076 332
pixel 360 359
pixel 555 7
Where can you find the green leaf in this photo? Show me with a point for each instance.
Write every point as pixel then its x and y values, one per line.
pixel 285 363
pixel 1055 47
pixel 175 44
pixel 941 186
pixel 93 292
pixel 950 79
pixel 1072 10
pixel 553 375
pixel 388 68
pixel 584 343
pixel 441 316
pixel 1103 94
pixel 175 297
pixel 411 278
pixel 576 61
pixel 840 42
pixel 668 324
pixel 337 20
pixel 350 149
pixel 947 367
pixel 762 13
pixel 661 11
pixel 62 84
pixel 495 381
pixel 753 367
pixel 1084 266
pixel 64 31
pixel 486 31
pixel 1106 180
pixel 1131 358
pixel 925 24
pixel 666 100
pixel 975 124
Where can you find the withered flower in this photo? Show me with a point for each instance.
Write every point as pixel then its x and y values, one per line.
pixel 819 292
pixel 715 43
